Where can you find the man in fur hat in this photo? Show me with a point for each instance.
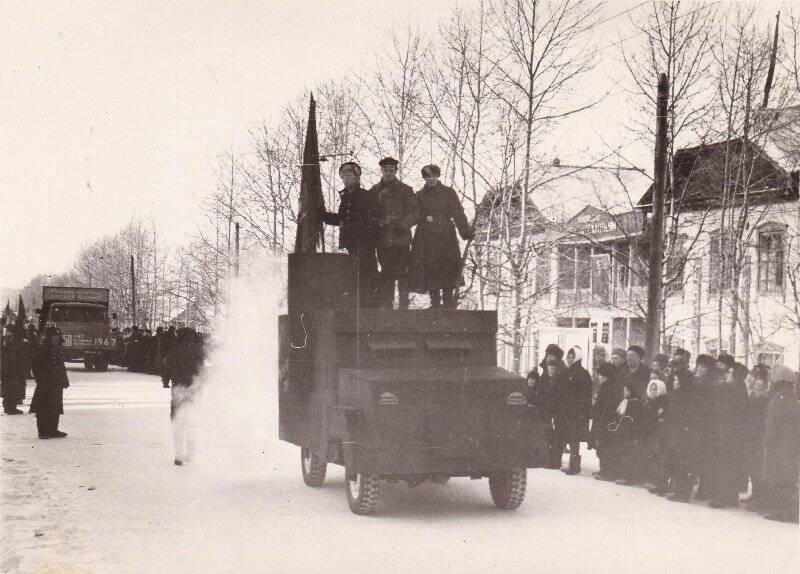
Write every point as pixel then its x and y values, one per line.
pixel 357 219
pixel 553 373
pixel 397 212
pixel 572 409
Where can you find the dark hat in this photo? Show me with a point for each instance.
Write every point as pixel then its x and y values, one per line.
pixel 553 349
pixel 726 360
pixel 431 170
pixel 350 166
pixel 637 349
pixel 388 161
pixel 661 359
pixel 533 374
pixel 706 361
pixel 607 370
pixel 619 352
pixel 681 352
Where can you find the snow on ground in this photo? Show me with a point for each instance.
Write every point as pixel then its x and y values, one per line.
pixel 109 499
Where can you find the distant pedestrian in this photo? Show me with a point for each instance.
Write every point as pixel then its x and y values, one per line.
pixel 186 358
pixel 13 371
pixel 51 380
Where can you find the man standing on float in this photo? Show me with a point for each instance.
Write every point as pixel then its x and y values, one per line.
pixel 357 219
pixel 397 208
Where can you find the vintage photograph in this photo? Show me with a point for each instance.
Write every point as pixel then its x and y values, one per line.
pixel 400 286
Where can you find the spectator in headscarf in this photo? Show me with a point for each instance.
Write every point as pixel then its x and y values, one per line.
pixel 656 434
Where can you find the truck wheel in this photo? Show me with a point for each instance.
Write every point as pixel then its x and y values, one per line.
pixel 101 366
pixel 362 492
pixel 88 364
pixel 313 468
pixel 508 488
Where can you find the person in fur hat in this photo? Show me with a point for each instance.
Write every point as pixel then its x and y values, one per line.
pixel 603 414
pixel 51 380
pixel 572 409
pixel 544 393
pixel 781 463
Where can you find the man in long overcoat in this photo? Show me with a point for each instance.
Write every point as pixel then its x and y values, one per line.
pixel 51 380
pixel 397 209
pixel 604 414
pixel 435 253
pixel 357 218
pixel 572 409
pixel 553 372
pixel 12 373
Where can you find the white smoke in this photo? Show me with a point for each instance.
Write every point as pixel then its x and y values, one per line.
pixel 238 418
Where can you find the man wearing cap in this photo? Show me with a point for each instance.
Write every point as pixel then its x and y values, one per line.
pixel 357 219
pixel 435 253
pixel 397 210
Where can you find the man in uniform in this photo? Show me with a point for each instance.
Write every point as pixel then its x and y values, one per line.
pixel 357 219
pixel 397 208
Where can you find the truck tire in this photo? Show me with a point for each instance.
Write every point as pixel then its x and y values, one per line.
pixel 362 492
pixel 88 364
pixel 101 365
pixel 508 488
pixel 313 468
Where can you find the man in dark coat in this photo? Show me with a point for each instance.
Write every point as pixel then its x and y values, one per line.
pixel 553 372
pixel 435 253
pixel 782 448
pixel 757 403
pixel 12 373
pixel 397 210
pixel 682 433
pixel 572 409
pixel 186 359
pixel 636 374
pixel 51 380
pixel 604 413
pixel 357 218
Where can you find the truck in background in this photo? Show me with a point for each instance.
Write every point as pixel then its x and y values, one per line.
pixel 81 313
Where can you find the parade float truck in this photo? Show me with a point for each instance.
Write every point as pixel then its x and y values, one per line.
pixel 391 395
pixel 81 314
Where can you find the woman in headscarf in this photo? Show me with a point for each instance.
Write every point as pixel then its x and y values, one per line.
pixel 51 380
pixel 435 253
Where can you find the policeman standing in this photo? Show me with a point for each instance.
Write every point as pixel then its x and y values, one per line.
pixel 397 208
pixel 357 219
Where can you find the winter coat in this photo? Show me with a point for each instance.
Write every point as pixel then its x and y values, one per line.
pixel 756 420
pixel 13 371
pixel 544 392
pixel 722 432
pixel 683 424
pixel 397 211
pixel 357 218
pixel 605 411
pixel 435 253
pixel 637 381
pixel 573 404
pixel 51 380
pixel 782 438
pixel 186 357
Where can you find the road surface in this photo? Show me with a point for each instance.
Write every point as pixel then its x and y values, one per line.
pixel 109 499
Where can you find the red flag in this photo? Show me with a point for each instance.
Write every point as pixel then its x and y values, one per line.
pixel 22 314
pixel 309 217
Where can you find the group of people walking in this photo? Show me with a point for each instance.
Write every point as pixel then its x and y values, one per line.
pixel 376 227
pixel 713 432
pixel 145 351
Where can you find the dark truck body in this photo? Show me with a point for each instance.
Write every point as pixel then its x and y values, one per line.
pixel 400 395
pixel 81 314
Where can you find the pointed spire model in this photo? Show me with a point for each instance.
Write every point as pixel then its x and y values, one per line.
pixel 311 203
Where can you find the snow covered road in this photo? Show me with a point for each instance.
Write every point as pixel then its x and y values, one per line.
pixel 109 499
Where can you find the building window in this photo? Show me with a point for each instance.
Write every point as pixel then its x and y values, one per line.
pixel 770 258
pixel 594 332
pixel 622 264
pixel 563 322
pixel 582 322
pixel 604 336
pixel 543 271
pixel 721 257
pixel 583 266
pixel 566 267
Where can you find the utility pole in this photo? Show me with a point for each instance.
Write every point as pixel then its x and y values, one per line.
pixel 236 255
pixel 656 276
pixel 133 294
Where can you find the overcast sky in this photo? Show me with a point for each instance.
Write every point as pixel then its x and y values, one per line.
pixel 111 109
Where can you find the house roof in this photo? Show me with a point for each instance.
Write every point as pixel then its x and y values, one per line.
pixel 702 173
pixel 599 224
pixel 500 211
